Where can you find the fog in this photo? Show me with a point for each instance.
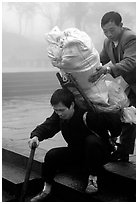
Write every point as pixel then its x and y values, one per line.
pixel 24 24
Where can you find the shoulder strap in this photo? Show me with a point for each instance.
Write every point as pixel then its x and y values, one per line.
pixel 84 119
pixel 85 122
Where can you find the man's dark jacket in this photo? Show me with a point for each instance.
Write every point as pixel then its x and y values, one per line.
pixel 126 51
pixel 75 130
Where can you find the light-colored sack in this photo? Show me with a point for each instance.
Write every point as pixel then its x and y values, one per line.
pixel 72 51
pixel 129 115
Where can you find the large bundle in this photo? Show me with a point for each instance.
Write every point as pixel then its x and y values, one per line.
pixel 72 51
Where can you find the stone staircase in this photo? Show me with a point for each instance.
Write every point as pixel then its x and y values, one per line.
pixel 117 182
pixel 13 175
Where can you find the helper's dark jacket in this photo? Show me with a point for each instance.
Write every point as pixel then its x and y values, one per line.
pixel 126 53
pixel 75 131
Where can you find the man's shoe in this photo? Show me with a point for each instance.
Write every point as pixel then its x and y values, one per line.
pixel 40 197
pixel 92 186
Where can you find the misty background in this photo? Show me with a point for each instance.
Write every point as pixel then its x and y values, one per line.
pixel 24 24
pixel 28 79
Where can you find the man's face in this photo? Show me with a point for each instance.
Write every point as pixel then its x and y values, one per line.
pixel 63 111
pixel 112 31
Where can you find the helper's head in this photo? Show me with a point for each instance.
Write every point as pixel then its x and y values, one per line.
pixel 63 103
pixel 111 24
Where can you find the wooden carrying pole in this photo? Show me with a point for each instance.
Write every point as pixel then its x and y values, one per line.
pixel 27 175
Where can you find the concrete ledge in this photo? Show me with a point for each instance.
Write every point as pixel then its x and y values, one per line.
pixel 11 158
pixel 123 169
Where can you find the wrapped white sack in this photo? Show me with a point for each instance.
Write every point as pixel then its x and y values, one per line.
pixel 72 51
pixel 129 115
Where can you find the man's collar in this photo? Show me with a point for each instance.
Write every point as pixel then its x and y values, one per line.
pixel 115 43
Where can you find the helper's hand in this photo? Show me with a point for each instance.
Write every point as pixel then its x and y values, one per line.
pixel 99 71
pixel 33 142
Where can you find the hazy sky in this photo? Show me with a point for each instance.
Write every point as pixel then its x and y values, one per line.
pixel 36 25
pixel 10 23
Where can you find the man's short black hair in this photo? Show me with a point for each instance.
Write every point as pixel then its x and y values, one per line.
pixel 111 16
pixel 63 96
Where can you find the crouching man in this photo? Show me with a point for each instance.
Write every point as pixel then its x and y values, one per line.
pixel 87 137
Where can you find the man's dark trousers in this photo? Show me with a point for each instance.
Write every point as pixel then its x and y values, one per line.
pixel 90 158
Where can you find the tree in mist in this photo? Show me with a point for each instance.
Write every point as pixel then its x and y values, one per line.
pixel 77 12
pixel 55 13
pixel 25 11
pixel 62 13
pixel 49 11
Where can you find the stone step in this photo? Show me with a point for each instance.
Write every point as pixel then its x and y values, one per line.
pixel 13 158
pixel 111 189
pixel 123 169
pixel 6 196
pixel 117 182
pixel 15 190
pixel 16 174
pixel 13 174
